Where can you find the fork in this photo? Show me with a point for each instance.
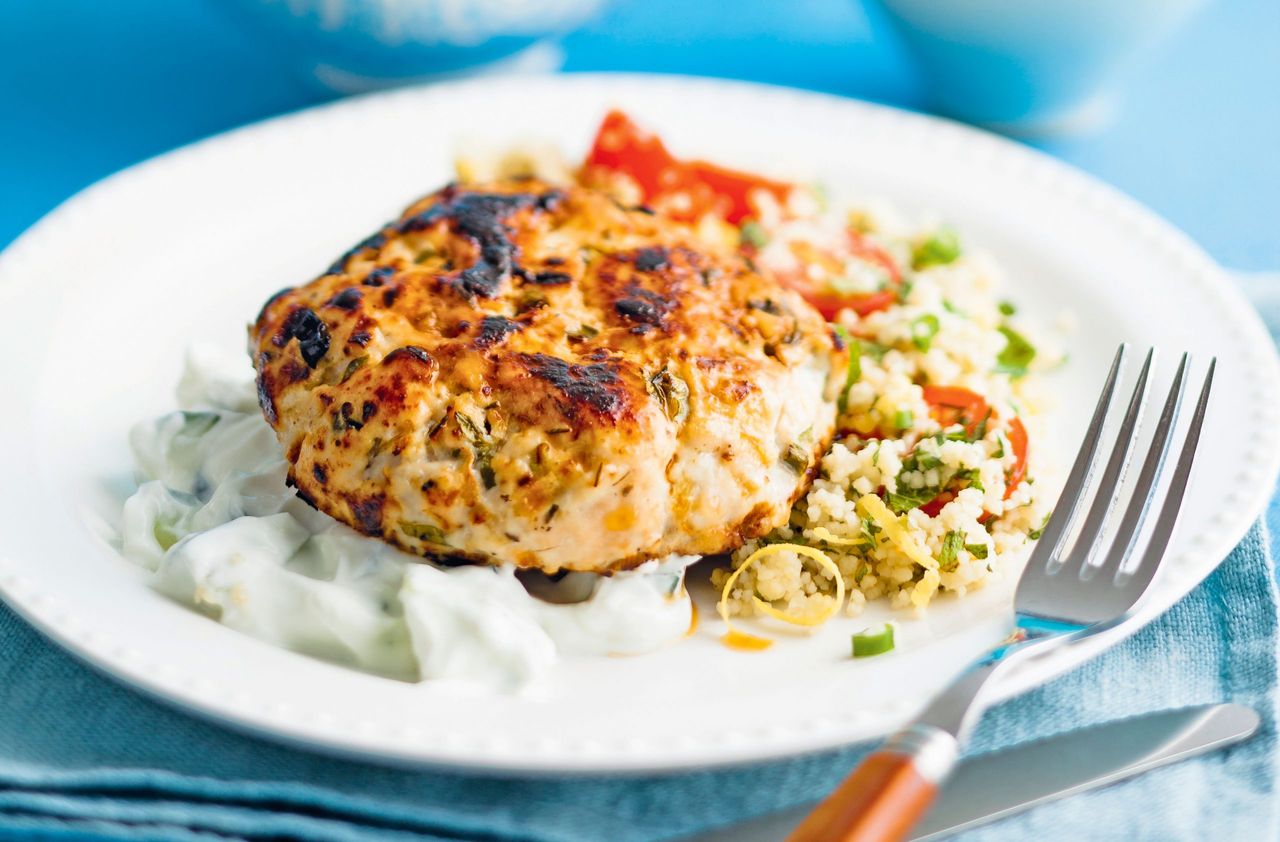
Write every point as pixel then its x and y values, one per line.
pixel 1068 590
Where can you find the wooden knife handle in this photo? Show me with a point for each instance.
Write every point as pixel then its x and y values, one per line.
pixel 886 794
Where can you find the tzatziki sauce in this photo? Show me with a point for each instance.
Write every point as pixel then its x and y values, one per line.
pixel 215 523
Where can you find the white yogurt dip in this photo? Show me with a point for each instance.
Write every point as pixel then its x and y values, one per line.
pixel 219 529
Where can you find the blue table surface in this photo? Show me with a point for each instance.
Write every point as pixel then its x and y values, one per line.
pixel 89 87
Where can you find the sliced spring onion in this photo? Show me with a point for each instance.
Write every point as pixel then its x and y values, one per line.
pixel 753 234
pixel 903 419
pixel 873 642
pixel 1007 308
pixel 874 508
pixel 977 550
pixel 940 249
pixel 817 618
pixel 923 329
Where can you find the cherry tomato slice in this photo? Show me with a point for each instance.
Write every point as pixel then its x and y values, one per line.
pixel 830 303
pixel 861 247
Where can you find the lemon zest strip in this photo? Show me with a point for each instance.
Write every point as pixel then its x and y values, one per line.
pixel 821 533
pixel 814 619
pixel 873 507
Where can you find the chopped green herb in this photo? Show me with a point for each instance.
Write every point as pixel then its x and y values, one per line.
pixel 165 534
pixel 671 392
pixel 971 475
pixel 977 550
pixel 904 290
pixel 921 461
pixel 482 446
pixel 902 503
pixel 923 329
pixel 354 366
pixel 1017 354
pixel 854 372
pixel 874 349
pixel 796 458
pixel 980 432
pixel 1007 308
pixel 196 424
pixel 952 543
pixel 1035 534
pixel 768 305
pixel 940 249
pixel 867 643
pixel 903 419
pixel 471 431
pixel 753 234
pixel 951 308
pixel 820 196
pixel 423 532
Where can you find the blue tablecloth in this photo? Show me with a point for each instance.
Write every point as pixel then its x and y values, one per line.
pixel 86 88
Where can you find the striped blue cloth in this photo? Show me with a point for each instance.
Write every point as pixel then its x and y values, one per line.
pixel 84 758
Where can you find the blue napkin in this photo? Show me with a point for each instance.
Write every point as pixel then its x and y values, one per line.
pixel 81 757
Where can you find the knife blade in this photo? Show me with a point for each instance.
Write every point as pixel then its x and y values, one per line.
pixel 999 784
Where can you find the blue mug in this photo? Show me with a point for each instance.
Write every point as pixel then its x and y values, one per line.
pixel 1031 66
pixel 350 46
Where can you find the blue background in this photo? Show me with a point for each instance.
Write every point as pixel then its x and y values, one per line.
pixel 88 87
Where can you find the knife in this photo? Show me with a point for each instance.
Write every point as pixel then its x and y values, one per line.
pixel 1045 770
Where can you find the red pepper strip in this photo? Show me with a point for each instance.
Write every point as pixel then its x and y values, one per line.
pixel 935 505
pixel 1018 441
pixel 951 405
pixel 735 188
pixel 623 146
pixel 954 405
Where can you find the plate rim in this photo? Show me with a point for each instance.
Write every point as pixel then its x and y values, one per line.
pixel 156 681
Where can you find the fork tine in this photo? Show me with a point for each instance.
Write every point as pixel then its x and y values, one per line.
pixel 1073 490
pixel 1145 486
pixel 1163 532
pixel 1104 496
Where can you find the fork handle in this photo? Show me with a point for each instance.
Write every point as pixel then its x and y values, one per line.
pixel 887 793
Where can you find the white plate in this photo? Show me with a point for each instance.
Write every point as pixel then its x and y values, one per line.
pixel 120 279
